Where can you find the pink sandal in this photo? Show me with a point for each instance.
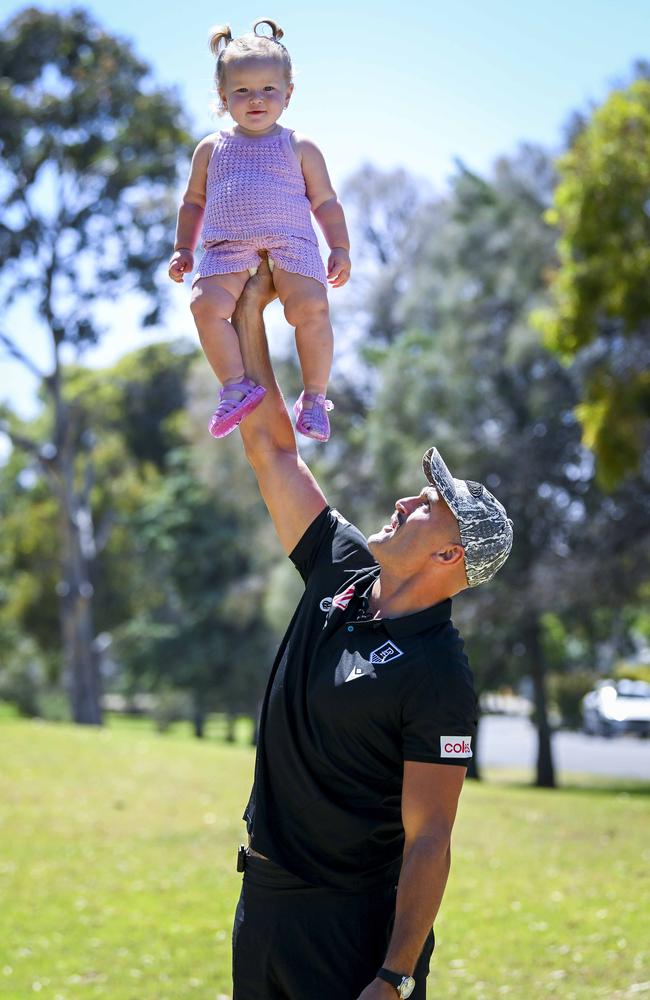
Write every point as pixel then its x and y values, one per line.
pixel 230 412
pixel 313 422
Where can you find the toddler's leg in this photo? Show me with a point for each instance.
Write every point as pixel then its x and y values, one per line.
pixel 306 309
pixel 213 302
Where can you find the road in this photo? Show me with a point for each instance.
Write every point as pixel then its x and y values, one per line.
pixel 511 741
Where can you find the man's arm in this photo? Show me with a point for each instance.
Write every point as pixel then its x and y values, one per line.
pixel 290 492
pixel 430 795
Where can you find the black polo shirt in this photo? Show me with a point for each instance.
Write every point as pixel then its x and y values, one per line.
pixel 349 699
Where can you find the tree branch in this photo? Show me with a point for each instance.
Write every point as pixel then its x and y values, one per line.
pixel 48 464
pixel 104 530
pixel 15 352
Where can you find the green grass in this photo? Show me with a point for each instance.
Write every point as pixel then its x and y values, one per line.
pixel 117 875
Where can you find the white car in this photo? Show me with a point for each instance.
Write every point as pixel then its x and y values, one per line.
pixel 617 707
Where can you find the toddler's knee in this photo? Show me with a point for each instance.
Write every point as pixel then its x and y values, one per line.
pixel 306 309
pixel 217 304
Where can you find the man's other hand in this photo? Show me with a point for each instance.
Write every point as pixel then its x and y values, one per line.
pixel 379 989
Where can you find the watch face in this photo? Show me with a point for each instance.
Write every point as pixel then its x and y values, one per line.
pixel 407 987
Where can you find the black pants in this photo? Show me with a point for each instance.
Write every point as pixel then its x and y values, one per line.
pixel 294 941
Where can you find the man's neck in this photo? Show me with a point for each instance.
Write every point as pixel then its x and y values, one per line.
pixel 392 597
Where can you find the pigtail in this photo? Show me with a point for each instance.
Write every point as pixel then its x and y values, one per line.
pixel 220 37
pixel 276 30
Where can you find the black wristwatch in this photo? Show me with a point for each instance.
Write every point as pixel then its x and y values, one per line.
pixel 403 984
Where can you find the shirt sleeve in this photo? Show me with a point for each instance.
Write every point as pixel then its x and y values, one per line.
pixel 440 716
pixel 330 541
pixel 318 534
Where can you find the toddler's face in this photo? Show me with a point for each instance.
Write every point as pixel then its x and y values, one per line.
pixel 256 92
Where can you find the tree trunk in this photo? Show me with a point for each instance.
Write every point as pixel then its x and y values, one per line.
pixel 230 728
pixel 76 592
pixel 198 714
pixel 473 769
pixel 545 776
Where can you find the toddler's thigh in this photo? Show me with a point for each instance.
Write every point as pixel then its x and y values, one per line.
pixel 218 293
pixel 301 297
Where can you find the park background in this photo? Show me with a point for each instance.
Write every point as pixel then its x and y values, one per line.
pixel 494 164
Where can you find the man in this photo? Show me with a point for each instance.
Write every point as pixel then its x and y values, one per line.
pixel 366 727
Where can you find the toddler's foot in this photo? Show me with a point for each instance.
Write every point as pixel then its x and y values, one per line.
pixel 310 412
pixel 236 400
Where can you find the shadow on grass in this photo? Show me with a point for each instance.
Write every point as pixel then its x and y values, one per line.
pixel 573 783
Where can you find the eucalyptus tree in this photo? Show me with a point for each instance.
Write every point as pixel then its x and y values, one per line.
pixel 468 372
pixel 90 149
pixel 600 311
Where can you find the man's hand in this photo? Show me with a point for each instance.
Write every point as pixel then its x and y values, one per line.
pixel 338 267
pixel 259 290
pixel 378 989
pixel 181 263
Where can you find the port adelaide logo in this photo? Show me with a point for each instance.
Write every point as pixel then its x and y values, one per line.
pixel 383 654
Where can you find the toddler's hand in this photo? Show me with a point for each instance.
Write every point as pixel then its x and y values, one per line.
pixel 338 267
pixel 182 261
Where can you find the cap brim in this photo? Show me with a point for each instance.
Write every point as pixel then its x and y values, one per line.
pixel 439 476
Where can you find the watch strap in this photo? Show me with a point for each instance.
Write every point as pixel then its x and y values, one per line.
pixel 394 978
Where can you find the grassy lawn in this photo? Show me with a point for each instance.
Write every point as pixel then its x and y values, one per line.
pixel 117 875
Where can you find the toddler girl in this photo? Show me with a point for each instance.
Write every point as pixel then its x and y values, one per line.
pixel 252 189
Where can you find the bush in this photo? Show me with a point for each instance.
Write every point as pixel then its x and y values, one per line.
pixel 171 706
pixel 54 705
pixel 632 671
pixel 23 678
pixel 566 691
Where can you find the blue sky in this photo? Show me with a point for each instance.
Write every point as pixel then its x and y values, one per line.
pixel 391 83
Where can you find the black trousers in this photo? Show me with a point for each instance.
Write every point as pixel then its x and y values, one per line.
pixel 294 941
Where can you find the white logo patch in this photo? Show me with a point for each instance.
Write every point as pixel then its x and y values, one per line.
pixel 354 673
pixel 389 651
pixel 456 746
pixel 325 604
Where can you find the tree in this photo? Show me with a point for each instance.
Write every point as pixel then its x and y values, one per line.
pixel 601 295
pixel 470 375
pixel 199 626
pixel 90 152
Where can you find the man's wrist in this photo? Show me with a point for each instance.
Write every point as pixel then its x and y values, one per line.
pixel 389 990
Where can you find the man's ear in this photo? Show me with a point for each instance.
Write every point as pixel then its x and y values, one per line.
pixel 451 555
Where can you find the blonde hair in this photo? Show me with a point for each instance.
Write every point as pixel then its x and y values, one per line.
pixel 227 49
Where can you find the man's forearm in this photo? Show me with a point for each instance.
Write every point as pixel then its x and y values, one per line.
pixel 270 421
pixel 420 889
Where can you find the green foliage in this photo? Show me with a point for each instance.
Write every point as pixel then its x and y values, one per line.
pixel 632 671
pixel 468 374
pixel 79 111
pixel 566 692
pixel 601 293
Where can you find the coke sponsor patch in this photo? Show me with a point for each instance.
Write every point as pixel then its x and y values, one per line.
pixel 456 746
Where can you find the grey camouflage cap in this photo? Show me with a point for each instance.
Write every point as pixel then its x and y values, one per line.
pixel 485 528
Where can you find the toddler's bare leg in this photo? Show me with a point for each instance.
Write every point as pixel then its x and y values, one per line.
pixel 305 307
pixel 213 302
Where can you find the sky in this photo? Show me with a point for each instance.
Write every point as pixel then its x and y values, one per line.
pixel 387 83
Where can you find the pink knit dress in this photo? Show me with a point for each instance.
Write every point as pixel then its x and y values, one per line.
pixel 256 200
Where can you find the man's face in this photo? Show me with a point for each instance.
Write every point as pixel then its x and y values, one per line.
pixel 419 527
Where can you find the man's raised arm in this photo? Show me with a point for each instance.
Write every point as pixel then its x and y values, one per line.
pixel 290 492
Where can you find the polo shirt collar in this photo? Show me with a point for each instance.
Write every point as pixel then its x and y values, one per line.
pixel 421 621
pixel 405 625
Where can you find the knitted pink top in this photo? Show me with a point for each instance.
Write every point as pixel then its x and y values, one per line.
pixel 255 188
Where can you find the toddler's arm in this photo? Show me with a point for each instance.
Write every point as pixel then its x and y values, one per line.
pixel 190 213
pixel 327 210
